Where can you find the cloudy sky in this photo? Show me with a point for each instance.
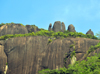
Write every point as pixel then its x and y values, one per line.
pixel 83 14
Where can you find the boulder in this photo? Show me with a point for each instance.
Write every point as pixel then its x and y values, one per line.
pixel 50 25
pixel 71 28
pixel 28 55
pixel 58 26
pixel 12 29
pixel 63 27
pixel 90 32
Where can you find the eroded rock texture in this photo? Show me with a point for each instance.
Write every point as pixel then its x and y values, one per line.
pixel 28 55
pixel 32 28
pixel 58 26
pixel 71 28
pixel 12 29
pixel 3 57
pixel 63 27
pixel 50 25
pixel 90 32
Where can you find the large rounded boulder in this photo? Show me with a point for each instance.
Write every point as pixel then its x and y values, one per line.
pixel 71 28
pixel 58 26
pixel 12 28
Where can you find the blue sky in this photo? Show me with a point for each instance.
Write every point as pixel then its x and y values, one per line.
pixel 83 14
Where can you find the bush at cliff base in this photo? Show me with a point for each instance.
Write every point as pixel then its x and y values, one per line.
pixel 89 66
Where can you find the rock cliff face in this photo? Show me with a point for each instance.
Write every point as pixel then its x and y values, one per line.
pixel 3 59
pixel 28 55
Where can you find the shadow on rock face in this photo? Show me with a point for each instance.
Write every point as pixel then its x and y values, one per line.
pixel 1 72
pixel 44 67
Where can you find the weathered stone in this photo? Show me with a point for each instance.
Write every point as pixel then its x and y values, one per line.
pixel 28 27
pixel 57 26
pixel 90 32
pixel 73 60
pixel 63 27
pixel 3 59
pixel 32 28
pixel 12 29
pixel 28 55
pixel 50 25
pixel 71 28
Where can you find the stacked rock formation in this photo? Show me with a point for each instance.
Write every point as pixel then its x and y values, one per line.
pixel 58 26
pixel 71 28
pixel 90 32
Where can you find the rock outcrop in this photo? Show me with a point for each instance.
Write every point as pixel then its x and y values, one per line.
pixel 71 28
pixel 3 57
pixel 12 29
pixel 90 32
pixel 58 26
pixel 50 25
pixel 32 28
pixel 63 27
pixel 28 55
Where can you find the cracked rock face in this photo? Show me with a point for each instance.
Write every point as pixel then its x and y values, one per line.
pixel 3 59
pixel 28 55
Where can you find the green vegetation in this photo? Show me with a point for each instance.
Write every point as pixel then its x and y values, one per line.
pixel 50 34
pixel 2 24
pixel 9 24
pixel 91 66
pixel 6 63
pixel 22 24
pixel 49 40
pixel 98 34
pixel 71 54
